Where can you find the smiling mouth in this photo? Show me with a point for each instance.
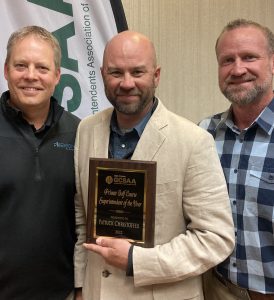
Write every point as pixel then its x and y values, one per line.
pixel 127 98
pixel 31 89
pixel 239 82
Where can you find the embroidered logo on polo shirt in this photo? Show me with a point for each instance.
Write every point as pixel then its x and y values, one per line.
pixel 64 146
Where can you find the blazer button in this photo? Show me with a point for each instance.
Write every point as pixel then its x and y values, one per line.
pixel 106 273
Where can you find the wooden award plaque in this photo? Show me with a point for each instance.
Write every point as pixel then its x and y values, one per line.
pixel 121 200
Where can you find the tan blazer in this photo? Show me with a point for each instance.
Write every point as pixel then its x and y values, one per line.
pixel 193 223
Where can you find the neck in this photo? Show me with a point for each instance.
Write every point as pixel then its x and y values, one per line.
pixel 245 115
pixel 36 119
pixel 34 115
pixel 126 121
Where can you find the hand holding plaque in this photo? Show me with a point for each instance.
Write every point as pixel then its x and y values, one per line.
pixel 121 200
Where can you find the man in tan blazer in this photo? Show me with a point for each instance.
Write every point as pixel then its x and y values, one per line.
pixel 193 222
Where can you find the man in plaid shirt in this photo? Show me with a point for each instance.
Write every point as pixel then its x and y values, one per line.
pixel 244 138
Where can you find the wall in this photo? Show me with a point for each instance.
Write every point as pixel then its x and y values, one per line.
pixel 184 33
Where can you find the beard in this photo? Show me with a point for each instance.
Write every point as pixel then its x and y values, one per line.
pixel 131 108
pixel 243 96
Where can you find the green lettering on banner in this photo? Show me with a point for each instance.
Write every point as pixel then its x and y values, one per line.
pixel 68 80
pixel 62 34
pixel 56 5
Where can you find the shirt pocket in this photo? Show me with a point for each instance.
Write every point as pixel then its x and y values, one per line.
pixel 261 190
pixel 263 179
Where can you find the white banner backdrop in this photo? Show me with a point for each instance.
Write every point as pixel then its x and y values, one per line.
pixel 82 28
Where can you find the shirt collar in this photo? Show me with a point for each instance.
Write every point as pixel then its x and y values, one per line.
pixel 48 122
pixel 264 120
pixel 266 117
pixel 17 114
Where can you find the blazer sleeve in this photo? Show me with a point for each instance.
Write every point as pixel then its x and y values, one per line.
pixel 209 235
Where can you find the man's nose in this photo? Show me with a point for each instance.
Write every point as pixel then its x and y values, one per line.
pixel 238 68
pixel 127 82
pixel 31 72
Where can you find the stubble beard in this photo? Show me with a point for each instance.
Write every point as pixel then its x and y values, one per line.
pixel 244 96
pixel 131 108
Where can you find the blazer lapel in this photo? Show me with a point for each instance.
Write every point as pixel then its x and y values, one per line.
pixel 153 136
pixel 147 146
pixel 101 136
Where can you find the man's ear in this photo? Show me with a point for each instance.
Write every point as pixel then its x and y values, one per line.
pixel 157 74
pixel 58 76
pixel 6 70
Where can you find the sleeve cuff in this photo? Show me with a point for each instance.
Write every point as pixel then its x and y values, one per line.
pixel 129 271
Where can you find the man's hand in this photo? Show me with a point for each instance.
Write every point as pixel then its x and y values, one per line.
pixel 114 251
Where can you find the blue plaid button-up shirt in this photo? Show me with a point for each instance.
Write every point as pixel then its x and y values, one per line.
pixel 247 158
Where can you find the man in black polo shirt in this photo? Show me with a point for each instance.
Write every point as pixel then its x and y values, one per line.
pixel 37 217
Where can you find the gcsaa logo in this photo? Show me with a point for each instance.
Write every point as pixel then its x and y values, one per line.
pixel 109 179
pixel 120 179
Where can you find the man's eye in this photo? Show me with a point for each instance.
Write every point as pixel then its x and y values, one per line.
pixel 115 73
pixel 20 66
pixel 227 61
pixel 43 69
pixel 249 58
pixel 138 73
